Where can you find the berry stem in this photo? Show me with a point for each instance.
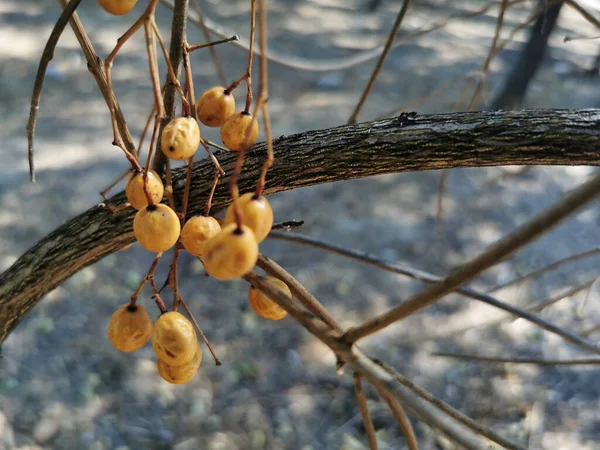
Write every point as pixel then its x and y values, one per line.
pixel 147 168
pixel 108 62
pixel 248 74
pixel 218 173
pixel 153 63
pixel 171 72
pixel 233 188
pixel 191 316
pixel 263 96
pixel 190 48
pixel 147 277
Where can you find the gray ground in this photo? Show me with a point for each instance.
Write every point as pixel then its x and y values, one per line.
pixel 62 386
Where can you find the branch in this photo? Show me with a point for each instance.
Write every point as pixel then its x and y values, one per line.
pixel 527 137
pixel 442 416
pixel 178 29
pixel 526 314
pixel 549 218
pixel 47 56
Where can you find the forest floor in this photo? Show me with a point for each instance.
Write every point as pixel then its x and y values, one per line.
pixel 62 385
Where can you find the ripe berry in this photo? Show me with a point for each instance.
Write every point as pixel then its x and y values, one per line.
pixel 263 305
pixel 156 228
pixel 233 131
pixel 231 253
pixel 256 215
pixel 135 189
pixel 180 138
pixel 197 231
pixel 215 106
pixel 183 373
pixel 174 339
pixel 129 328
pixel 117 7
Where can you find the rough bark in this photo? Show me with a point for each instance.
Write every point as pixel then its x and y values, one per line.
pixel 405 143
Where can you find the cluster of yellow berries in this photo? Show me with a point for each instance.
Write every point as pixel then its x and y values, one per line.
pixel 228 251
pixel 173 339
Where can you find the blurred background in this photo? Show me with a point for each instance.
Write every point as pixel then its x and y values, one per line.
pixel 63 386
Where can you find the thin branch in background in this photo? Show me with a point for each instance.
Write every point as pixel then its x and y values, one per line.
pixel 364 411
pixel 542 223
pixel 591 330
pixel 178 30
pixel 120 178
pixel 193 48
pixel 386 50
pixel 376 372
pixel 486 65
pixel 584 12
pixel 47 56
pixel 211 49
pixel 549 268
pixel 442 187
pixel 263 96
pixel 193 319
pixel 432 279
pixel 335 64
pixel 402 419
pixel 299 291
pixel 519 360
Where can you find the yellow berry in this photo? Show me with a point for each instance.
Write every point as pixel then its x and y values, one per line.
pixel 263 305
pixel 180 138
pixel 256 214
pixel 215 106
pixel 183 373
pixel 197 231
pixel 135 189
pixel 174 339
pixel 233 131
pixel 231 253
pixel 129 328
pixel 156 228
pixel 117 7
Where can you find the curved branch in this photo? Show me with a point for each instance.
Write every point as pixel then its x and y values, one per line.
pixel 402 144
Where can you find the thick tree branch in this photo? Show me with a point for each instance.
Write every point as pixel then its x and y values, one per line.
pixel 528 137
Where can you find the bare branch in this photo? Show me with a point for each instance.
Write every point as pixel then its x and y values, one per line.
pixel 453 423
pixel 178 29
pixel 432 279
pixel 528 137
pixel 535 361
pixel 402 419
pixel 386 50
pixel 47 56
pixel 332 64
pixel 364 411
pixel 540 224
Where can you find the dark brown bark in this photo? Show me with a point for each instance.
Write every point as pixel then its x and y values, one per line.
pixel 402 144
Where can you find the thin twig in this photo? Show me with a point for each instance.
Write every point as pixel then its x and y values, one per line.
pixel 335 64
pixel 402 419
pixel 211 49
pixel 548 268
pixel 376 372
pixel 47 56
pixel 364 411
pixel 486 65
pixel 263 97
pixel 193 319
pixel 178 30
pixel 584 12
pixel 518 360
pixel 537 226
pixel 386 50
pixel 432 279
